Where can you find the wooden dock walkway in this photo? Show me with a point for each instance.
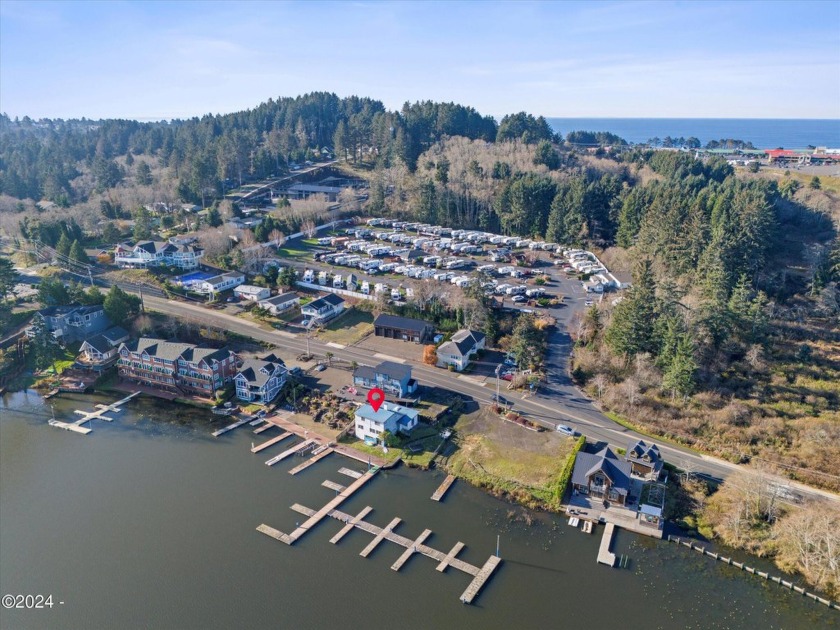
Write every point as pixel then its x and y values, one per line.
pixel 311 460
pixel 233 426
pixel 287 453
pixel 265 427
pixel 604 554
pixel 350 525
pixel 350 473
pixel 271 442
pixel 410 551
pixel 316 517
pixel 480 579
pixel 443 488
pixel 379 537
pixel 87 416
pixel 450 557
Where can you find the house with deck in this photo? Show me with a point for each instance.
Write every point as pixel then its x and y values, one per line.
pixel 176 367
pixel 101 351
pixel 369 425
pixel 644 459
pixel 458 351
pixel 324 308
pixel 218 284
pixel 156 253
pixel 393 378
pixel 404 328
pixel 72 323
pixel 602 475
pixel 260 380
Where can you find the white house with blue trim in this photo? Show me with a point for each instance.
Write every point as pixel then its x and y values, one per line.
pixel 370 424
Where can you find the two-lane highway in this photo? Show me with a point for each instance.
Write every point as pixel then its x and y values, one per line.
pixel 549 410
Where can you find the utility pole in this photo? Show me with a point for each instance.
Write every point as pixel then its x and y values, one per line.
pixel 90 276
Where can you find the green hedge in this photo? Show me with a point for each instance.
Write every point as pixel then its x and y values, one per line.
pixel 566 473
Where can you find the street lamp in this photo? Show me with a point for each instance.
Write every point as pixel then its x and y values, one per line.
pixel 498 371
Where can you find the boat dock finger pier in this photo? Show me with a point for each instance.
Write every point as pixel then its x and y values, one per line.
pixel 480 575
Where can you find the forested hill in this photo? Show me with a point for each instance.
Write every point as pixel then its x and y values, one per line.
pixel 40 159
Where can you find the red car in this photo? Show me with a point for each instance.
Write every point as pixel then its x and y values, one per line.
pixel 507 376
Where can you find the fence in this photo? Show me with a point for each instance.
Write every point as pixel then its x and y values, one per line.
pixel 761 574
pixel 352 294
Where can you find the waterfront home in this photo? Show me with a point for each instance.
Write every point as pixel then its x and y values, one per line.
pixel 460 348
pixel 72 323
pixel 251 293
pixel 260 380
pixel 644 459
pixel 155 253
pixel 175 366
pixel 369 425
pixel 222 282
pixel 279 303
pixel 405 328
pixel 391 377
pixel 602 475
pixel 100 351
pixel 323 309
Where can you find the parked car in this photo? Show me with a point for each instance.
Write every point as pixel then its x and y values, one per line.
pixel 502 400
pixel 588 303
pixel 566 430
pixel 305 323
pixel 320 367
pixel 519 299
pixel 507 376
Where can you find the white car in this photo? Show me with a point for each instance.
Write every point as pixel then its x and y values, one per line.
pixel 588 303
pixel 562 428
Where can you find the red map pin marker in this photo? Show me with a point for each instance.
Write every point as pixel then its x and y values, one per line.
pixel 376 397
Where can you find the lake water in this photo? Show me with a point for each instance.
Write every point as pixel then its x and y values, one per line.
pixel 763 133
pixel 149 522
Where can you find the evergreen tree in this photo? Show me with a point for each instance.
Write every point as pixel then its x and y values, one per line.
pixel 142 224
pixel 64 244
pixel 8 277
pixel 143 174
pixel 52 292
pixel 77 253
pixel 632 329
pixel 45 345
pixel 120 307
pixel 680 374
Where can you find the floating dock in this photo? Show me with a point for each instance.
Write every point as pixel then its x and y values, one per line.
pixel 288 453
pixel 443 488
pixel 332 485
pixel 87 416
pixel 233 426
pixel 574 521
pixel 271 442
pixel 265 427
pixel 587 527
pixel 604 554
pixel 350 473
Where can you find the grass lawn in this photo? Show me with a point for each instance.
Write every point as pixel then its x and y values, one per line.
pixel 12 320
pixel 350 327
pixel 298 248
pixel 376 451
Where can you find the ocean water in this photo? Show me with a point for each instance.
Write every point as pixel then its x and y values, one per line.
pixel 764 133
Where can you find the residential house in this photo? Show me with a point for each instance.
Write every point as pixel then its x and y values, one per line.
pixel 175 366
pixel 324 308
pixel 644 459
pixel 370 425
pixel 222 282
pixel 72 323
pixel 100 351
pixel 280 303
pixel 393 378
pixel 251 293
pixel 260 380
pixel 460 348
pixel 602 475
pixel 405 328
pixel 155 253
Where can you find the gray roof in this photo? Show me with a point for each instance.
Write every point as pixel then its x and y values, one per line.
pixel 462 341
pixel 99 343
pixel 330 299
pixel 606 461
pixel 196 354
pixel 402 323
pixel 257 372
pixel 639 449
pixel 115 334
pixel 391 369
pixel 168 350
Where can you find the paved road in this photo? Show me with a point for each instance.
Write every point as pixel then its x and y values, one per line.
pixel 571 408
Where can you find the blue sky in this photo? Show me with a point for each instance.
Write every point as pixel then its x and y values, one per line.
pixel 152 60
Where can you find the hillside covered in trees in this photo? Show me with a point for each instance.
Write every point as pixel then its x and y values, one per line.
pixel 727 341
